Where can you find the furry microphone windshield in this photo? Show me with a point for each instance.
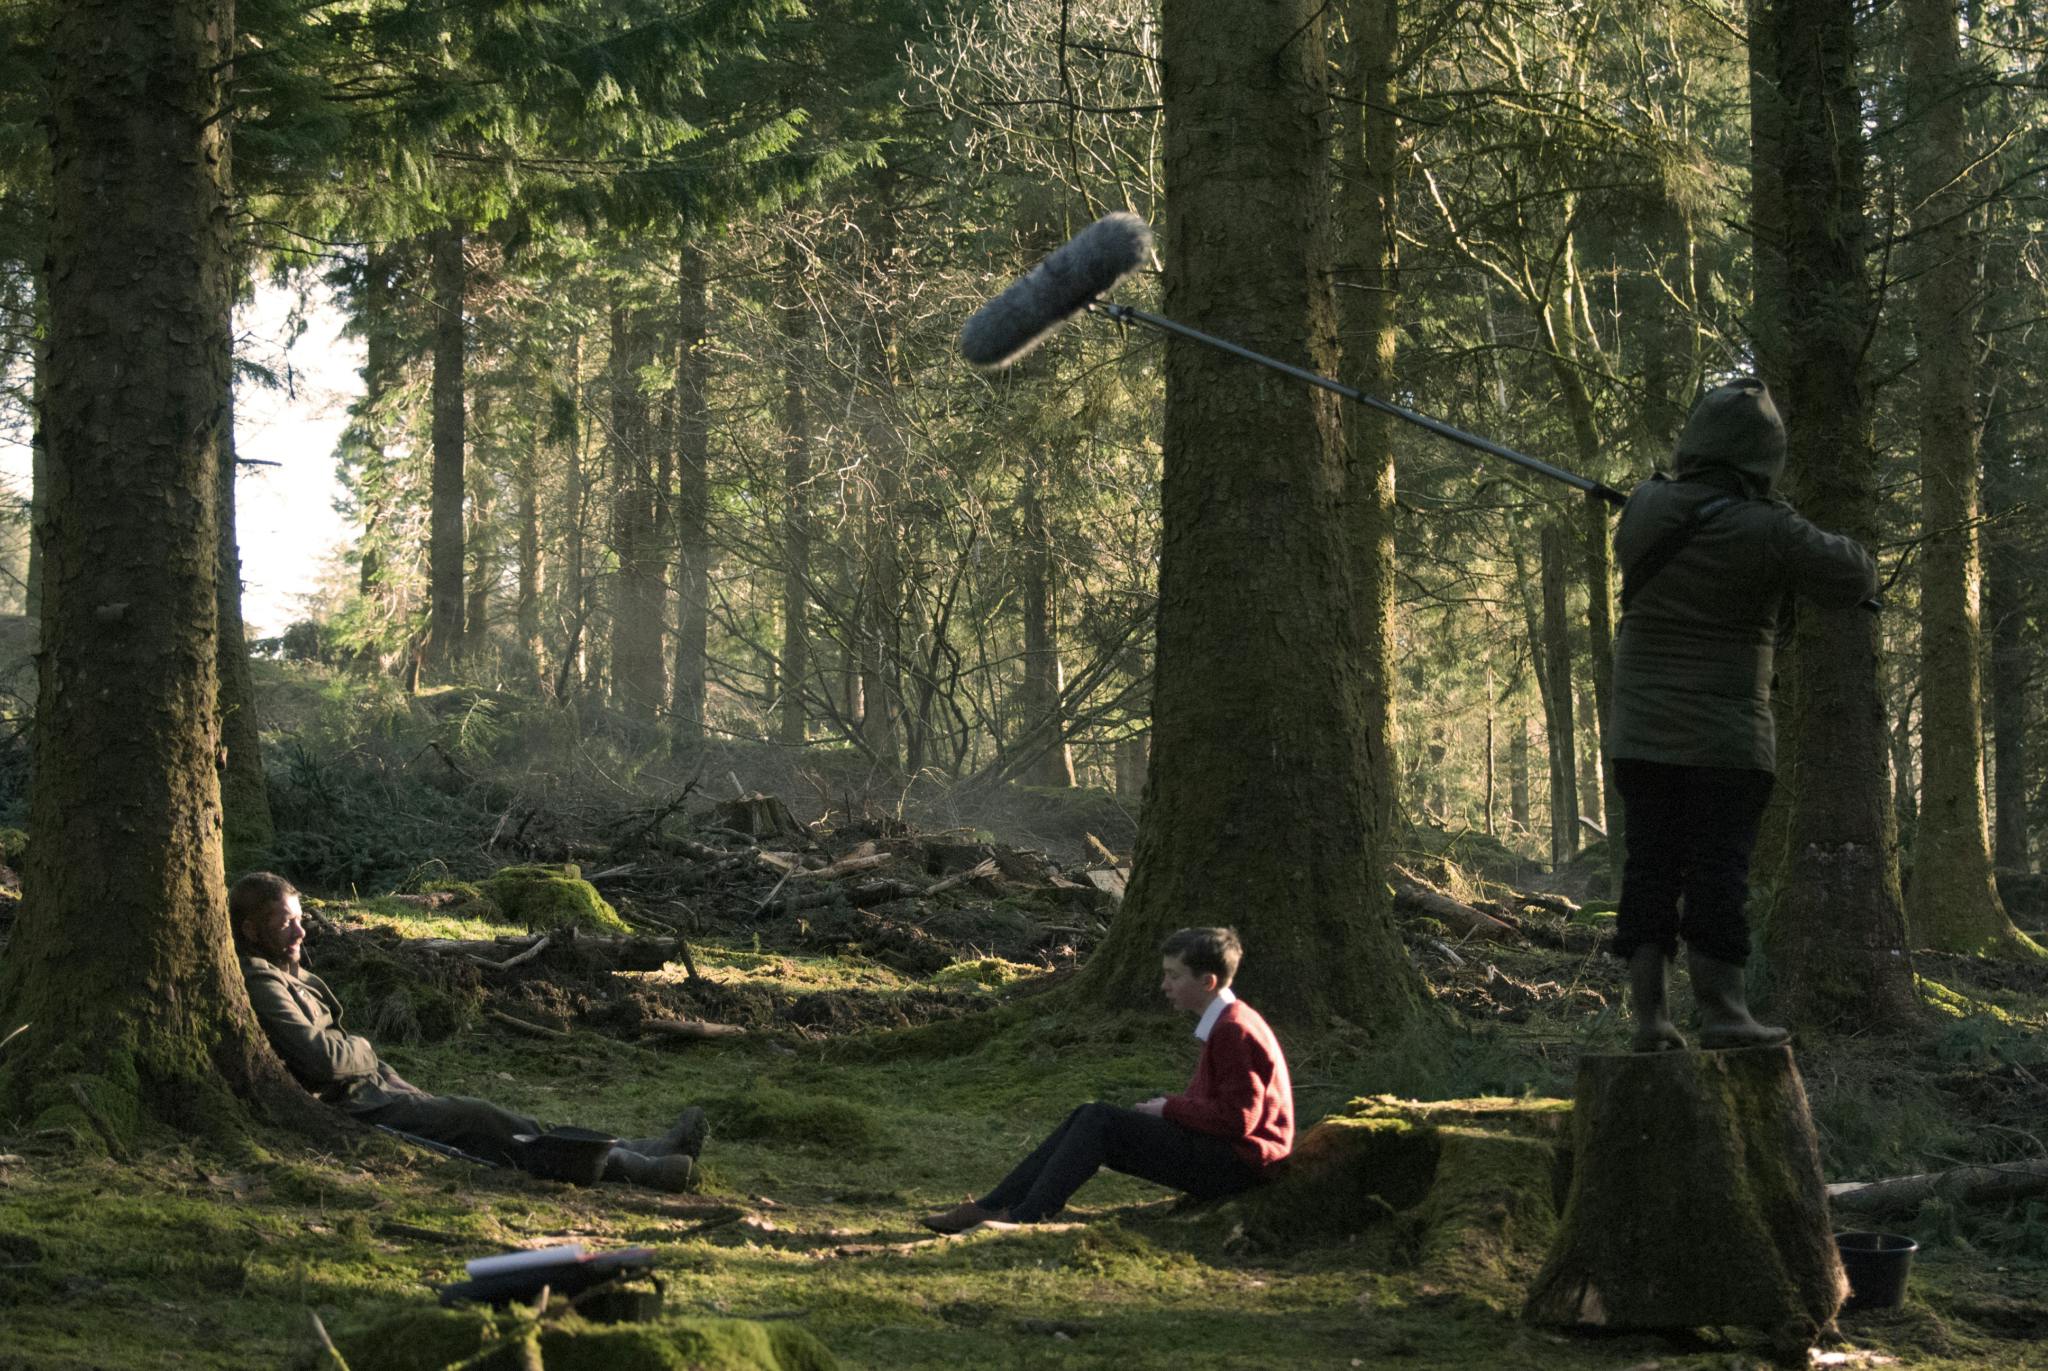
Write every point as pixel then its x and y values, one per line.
pixel 1055 290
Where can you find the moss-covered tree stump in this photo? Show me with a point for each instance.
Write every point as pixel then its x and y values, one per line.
pixel 545 898
pixel 1696 1200
pixel 1464 1192
pixel 478 1340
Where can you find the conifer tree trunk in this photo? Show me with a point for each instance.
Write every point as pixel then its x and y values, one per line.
pixel 2010 696
pixel 1951 905
pixel 1518 775
pixel 1043 677
pixel 526 609
pixel 120 962
pixel 1259 810
pixel 448 275
pixel 1836 935
pixel 1370 155
pixel 693 495
pixel 247 830
pixel 793 727
pixel 476 618
pixel 637 681
pixel 38 473
pixel 1560 731
pixel 573 595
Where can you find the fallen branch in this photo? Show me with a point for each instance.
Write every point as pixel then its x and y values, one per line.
pixel 543 945
pixel 1412 896
pixel 986 868
pixel 524 1026
pixel 695 1030
pixel 771 895
pixel 1962 1185
pixel 860 896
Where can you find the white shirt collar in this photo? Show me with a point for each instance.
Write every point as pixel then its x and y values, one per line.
pixel 1225 996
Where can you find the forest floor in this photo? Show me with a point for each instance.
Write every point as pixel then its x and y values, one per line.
pixel 901 1050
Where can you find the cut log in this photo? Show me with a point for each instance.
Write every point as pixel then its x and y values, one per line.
pixel 1696 1200
pixel 1412 897
pixel 1961 1185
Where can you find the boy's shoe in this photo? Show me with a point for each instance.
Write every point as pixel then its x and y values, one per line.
pixel 962 1217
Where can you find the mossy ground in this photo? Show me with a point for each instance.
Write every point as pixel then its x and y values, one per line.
pixel 823 1152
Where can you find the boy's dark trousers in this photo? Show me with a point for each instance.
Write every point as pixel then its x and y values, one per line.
pixel 1141 1145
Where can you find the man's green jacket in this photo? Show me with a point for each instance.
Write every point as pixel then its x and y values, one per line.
pixel 1693 659
pixel 302 1018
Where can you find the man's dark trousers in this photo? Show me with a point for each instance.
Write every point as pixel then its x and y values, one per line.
pixel 478 1127
pixel 1141 1145
pixel 1691 830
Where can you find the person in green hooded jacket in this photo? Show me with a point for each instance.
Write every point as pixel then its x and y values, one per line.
pixel 1710 558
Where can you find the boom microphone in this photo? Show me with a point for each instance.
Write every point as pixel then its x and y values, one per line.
pixel 1055 290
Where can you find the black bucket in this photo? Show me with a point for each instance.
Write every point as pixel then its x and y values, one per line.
pixel 575 1155
pixel 1877 1264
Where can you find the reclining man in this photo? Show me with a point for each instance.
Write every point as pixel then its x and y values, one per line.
pixel 302 1018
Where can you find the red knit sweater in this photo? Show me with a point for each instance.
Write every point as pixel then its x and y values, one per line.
pixel 1240 1090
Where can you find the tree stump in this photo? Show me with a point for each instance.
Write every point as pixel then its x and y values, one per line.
pixel 762 817
pixel 1696 1200
pixel 1463 1193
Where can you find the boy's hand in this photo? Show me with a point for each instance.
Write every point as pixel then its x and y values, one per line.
pixel 1156 1106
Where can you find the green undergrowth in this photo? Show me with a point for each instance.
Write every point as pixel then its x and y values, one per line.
pixel 821 1155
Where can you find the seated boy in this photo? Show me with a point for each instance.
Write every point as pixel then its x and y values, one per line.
pixel 1235 1119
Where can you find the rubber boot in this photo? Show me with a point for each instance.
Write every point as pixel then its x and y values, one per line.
pixel 1649 996
pixel 1724 1006
pixel 675 1173
pixel 686 1135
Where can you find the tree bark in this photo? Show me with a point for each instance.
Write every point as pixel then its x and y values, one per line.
pixel 1696 1199
pixel 1951 904
pixel 1259 811
pixel 636 602
pixel 1518 776
pixel 575 594
pixel 693 495
pixel 450 440
pixel 120 963
pixel 1043 677
pixel 247 830
pixel 1560 731
pixel 2011 706
pixel 793 726
pixel 1836 933
pixel 1370 155
pixel 526 609
pixel 38 461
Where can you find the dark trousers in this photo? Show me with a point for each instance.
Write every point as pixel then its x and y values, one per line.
pixel 1141 1145
pixel 1691 830
pixel 476 1126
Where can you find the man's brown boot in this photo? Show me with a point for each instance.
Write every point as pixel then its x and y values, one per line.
pixel 685 1135
pixel 962 1217
pixel 677 1174
pixel 1724 1006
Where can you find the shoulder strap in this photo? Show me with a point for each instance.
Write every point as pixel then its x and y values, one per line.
pixel 1661 553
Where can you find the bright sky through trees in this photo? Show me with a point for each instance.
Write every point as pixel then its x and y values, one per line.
pixel 287 521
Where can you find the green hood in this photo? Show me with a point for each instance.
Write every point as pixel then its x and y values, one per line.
pixel 1734 427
